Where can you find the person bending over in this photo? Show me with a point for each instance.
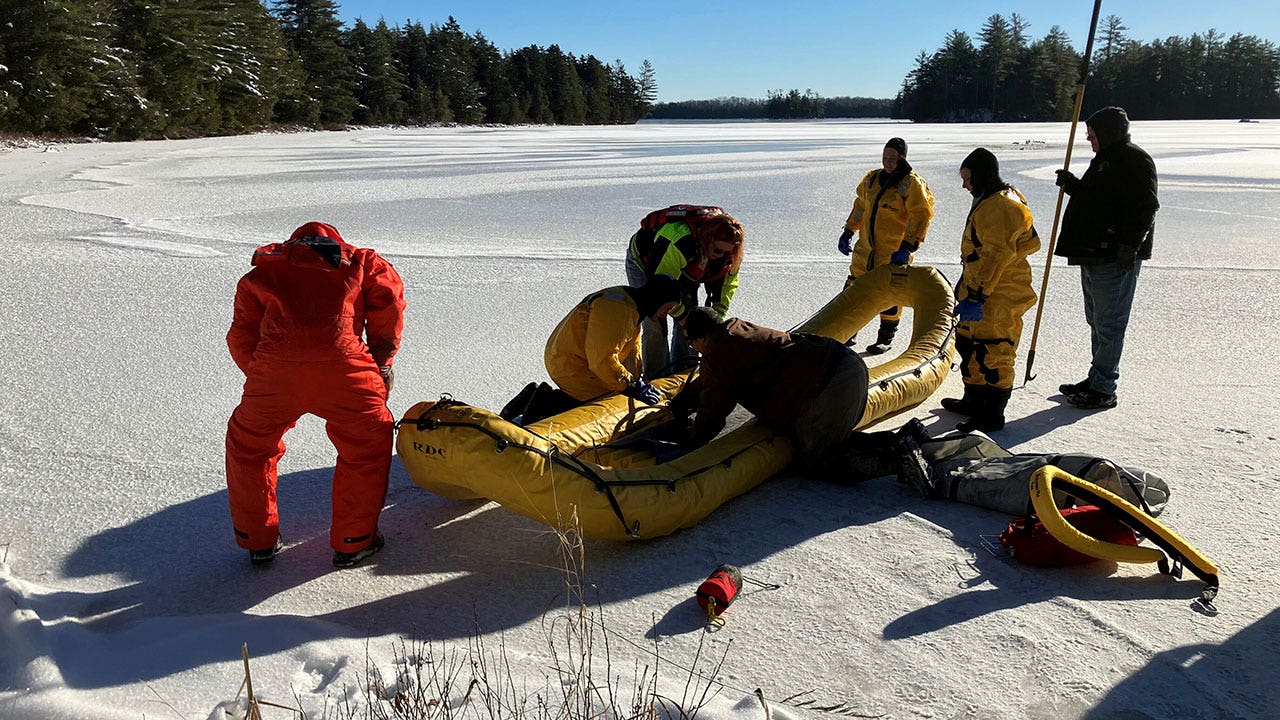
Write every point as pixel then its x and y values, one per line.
pixel 316 326
pixel 810 387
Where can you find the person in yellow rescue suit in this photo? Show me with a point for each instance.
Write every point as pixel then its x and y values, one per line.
pixel 891 214
pixel 993 293
pixel 696 246
pixel 595 350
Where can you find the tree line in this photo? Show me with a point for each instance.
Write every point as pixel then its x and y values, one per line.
pixel 1007 76
pixel 126 69
pixel 779 105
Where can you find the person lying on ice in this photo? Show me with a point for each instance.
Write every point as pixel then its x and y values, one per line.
pixel 317 323
pixel 808 386
pixel 595 350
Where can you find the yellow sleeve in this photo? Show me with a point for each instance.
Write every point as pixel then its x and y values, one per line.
pixel 859 204
pixel 919 211
pixel 612 325
pixel 995 228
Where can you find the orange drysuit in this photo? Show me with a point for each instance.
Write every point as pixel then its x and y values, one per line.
pixel 314 321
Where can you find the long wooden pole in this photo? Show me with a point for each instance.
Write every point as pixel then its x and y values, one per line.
pixel 1057 211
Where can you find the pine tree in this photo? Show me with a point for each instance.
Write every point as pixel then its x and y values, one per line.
pixel 315 34
pixel 380 83
pixel 499 96
pixel 412 53
pixel 564 91
pixel 594 76
pixel 452 73
pixel 996 56
pixel 624 95
pixel 63 73
pixel 648 87
pixel 8 96
pixel 1055 74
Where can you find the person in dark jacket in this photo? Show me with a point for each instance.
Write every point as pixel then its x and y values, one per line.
pixel 810 387
pixel 1108 230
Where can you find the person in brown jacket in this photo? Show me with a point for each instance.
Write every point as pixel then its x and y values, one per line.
pixel 811 387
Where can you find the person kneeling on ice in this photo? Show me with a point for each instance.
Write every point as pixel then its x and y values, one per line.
pixel 317 323
pixel 811 387
pixel 595 351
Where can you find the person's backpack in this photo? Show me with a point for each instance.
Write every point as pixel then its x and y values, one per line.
pixel 691 215
pixel 1030 542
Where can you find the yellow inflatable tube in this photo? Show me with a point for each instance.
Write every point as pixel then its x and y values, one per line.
pixel 1042 487
pixel 574 468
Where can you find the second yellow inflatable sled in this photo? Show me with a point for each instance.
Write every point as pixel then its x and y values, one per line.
pixel 570 468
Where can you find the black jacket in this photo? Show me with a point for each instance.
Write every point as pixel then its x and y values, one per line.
pixel 1114 204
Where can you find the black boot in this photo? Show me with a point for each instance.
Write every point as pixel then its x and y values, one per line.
pixel 991 416
pixel 970 404
pixel 913 469
pixel 863 456
pixel 884 338
pixel 516 406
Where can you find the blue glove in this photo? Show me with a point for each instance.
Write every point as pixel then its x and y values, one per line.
pixel 643 391
pixel 969 310
pixel 843 242
pixel 902 255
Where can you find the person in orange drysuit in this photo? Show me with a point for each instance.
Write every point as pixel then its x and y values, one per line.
pixel 317 323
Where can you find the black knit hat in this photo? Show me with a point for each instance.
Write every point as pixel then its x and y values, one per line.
pixel 898 144
pixel 701 322
pixel 1110 125
pixel 658 291
pixel 984 172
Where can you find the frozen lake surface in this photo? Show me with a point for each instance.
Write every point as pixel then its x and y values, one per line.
pixel 124 594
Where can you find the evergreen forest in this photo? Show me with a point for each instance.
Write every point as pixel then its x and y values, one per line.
pixel 1007 76
pixel 125 69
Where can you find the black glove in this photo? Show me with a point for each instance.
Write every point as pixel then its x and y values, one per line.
pixel 643 391
pixel 1066 180
pixel 1127 256
pixel 388 376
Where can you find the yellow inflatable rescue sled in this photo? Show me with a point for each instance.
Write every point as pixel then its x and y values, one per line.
pixel 575 467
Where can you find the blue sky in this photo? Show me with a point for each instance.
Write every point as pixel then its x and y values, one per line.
pixel 713 48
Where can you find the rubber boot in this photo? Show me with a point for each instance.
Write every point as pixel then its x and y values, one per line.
pixel 969 404
pixel 884 338
pixel 991 416
pixel 913 469
pixel 518 404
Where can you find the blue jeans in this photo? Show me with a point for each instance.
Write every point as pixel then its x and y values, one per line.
pixel 1108 298
pixel 658 348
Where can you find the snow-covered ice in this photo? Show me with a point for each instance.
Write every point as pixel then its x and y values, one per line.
pixel 122 594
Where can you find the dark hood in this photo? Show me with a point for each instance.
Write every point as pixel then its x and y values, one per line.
pixel 1110 125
